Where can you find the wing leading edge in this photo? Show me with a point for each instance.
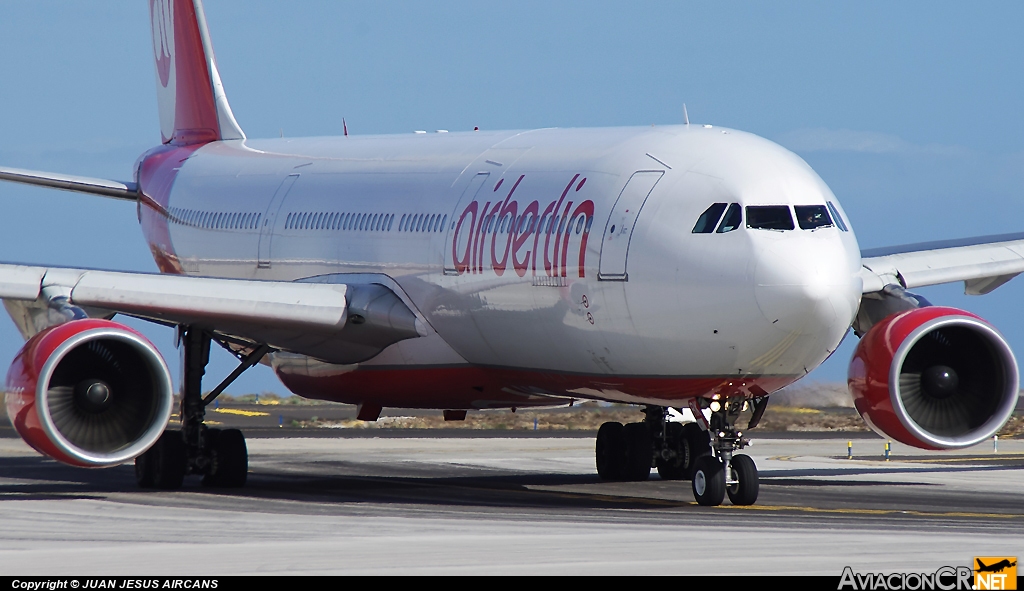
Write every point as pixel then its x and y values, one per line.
pixel 128 191
pixel 306 318
pixel 982 263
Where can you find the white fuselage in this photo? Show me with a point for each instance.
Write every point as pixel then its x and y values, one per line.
pixel 599 283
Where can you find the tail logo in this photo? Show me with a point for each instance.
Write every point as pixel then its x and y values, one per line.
pixel 162 15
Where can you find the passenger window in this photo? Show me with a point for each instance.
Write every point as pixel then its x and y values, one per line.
pixel 769 217
pixel 709 219
pixel 838 218
pixel 811 217
pixel 733 218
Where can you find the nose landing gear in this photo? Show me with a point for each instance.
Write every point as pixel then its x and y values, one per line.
pixel 726 472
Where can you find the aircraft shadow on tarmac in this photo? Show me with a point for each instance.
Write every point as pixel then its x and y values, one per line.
pixel 350 483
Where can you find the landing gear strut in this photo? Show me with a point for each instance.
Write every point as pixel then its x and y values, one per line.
pixel 219 455
pixel 726 472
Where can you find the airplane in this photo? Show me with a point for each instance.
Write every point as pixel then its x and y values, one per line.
pixel 995 568
pixel 672 267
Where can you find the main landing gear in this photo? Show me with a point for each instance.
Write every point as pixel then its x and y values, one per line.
pixel 702 452
pixel 628 452
pixel 219 455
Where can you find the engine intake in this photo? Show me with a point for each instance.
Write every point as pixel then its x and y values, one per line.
pixel 89 393
pixel 934 378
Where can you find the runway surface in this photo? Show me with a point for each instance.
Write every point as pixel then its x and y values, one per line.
pixel 512 505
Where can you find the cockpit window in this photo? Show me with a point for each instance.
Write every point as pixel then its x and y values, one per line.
pixel 838 218
pixel 733 218
pixel 709 219
pixel 769 217
pixel 811 217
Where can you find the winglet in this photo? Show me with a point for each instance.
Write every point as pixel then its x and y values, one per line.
pixel 193 106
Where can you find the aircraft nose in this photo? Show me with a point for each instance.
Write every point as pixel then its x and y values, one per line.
pixel 805 286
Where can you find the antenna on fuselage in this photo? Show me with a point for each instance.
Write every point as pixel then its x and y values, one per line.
pixel 344 126
pixel 686 116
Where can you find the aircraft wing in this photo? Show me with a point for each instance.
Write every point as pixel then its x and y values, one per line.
pixel 80 184
pixel 983 263
pixel 307 318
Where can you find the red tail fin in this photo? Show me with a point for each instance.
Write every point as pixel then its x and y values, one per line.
pixel 193 107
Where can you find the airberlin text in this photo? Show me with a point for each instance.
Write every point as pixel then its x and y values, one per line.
pixel 946 578
pixel 499 236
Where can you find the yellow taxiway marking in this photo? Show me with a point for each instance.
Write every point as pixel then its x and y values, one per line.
pixel 853 511
pixel 244 413
pixel 779 508
pixel 797 410
pixel 986 458
pixel 970 458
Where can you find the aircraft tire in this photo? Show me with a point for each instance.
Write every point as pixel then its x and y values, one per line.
pixel 144 468
pixel 708 481
pixel 611 451
pixel 210 440
pixel 163 465
pixel 744 492
pixel 698 444
pixel 230 460
pixel 639 452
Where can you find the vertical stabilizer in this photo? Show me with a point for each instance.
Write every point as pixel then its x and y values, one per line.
pixel 193 106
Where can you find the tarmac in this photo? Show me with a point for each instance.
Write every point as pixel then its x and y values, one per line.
pixel 347 501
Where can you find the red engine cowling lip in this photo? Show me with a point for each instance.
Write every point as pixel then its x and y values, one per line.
pixel 32 369
pixel 876 389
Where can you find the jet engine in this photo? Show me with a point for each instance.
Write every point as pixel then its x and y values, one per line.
pixel 90 393
pixel 934 378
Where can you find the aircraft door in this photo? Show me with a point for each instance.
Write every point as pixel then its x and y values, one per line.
pixel 619 229
pixel 465 233
pixel 270 220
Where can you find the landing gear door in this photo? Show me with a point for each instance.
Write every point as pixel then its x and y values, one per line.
pixel 464 234
pixel 270 220
pixel 619 229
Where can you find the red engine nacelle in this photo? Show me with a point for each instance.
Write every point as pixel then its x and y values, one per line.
pixel 90 393
pixel 934 378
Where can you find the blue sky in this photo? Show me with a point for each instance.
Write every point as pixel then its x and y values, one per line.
pixel 910 111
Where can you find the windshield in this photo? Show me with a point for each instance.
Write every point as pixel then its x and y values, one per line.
pixel 769 217
pixel 811 217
